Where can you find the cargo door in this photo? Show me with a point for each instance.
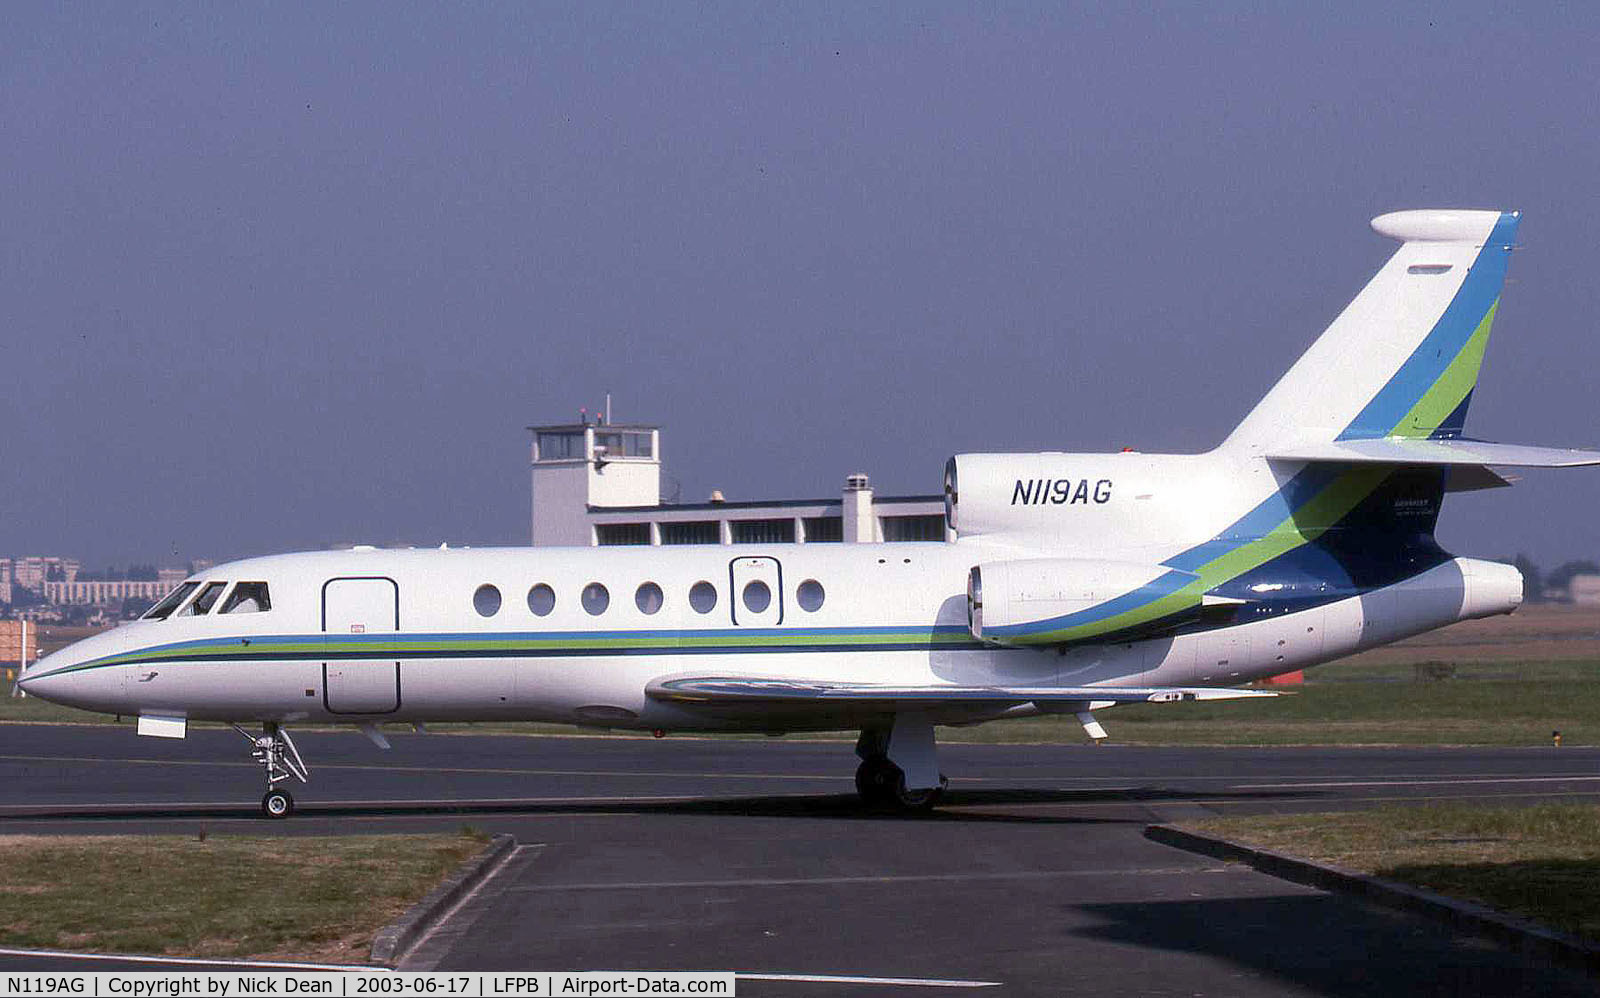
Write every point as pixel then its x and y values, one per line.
pixel 356 613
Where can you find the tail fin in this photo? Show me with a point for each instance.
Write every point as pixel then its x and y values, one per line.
pixel 1402 359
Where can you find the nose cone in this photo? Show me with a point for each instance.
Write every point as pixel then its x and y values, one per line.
pixel 76 676
pixel 50 678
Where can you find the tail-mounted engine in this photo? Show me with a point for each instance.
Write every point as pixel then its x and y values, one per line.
pixel 1053 601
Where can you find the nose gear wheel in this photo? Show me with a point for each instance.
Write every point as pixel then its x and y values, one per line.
pixel 277 755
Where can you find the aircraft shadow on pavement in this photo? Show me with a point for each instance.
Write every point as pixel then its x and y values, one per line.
pixel 954 807
pixel 1330 945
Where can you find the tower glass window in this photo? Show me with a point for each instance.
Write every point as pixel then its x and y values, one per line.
pixel 566 446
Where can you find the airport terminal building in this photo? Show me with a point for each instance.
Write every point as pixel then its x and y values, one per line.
pixel 600 484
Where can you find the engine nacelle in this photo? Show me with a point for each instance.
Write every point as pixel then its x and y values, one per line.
pixel 1052 601
pixel 1075 502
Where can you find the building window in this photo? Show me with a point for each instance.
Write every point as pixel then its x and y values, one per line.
pixel 595 599
pixel 560 446
pixel 541 600
pixel 757 596
pixel 691 532
pixel 648 598
pixel 824 529
pixel 486 600
pixel 624 443
pixel 913 528
pixel 622 533
pixel 763 531
pixel 703 597
pixel 810 595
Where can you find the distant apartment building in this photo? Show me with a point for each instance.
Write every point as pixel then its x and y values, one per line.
pixel 33 572
pixel 600 484
pixel 62 582
pixel 103 593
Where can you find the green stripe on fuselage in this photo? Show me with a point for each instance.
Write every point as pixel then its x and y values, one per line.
pixel 267 648
pixel 1306 524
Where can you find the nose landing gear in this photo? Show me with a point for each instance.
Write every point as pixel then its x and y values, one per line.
pixel 275 751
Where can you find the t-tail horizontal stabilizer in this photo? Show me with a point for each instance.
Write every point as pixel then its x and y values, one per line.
pixel 1456 452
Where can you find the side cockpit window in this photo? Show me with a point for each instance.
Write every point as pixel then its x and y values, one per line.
pixel 247 597
pixel 202 603
pixel 163 609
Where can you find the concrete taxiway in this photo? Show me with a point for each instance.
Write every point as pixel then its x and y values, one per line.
pixel 753 856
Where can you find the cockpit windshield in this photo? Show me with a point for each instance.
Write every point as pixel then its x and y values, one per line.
pixel 202 603
pixel 174 599
pixel 247 597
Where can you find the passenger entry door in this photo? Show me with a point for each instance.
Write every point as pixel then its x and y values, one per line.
pixel 756 592
pixel 353 609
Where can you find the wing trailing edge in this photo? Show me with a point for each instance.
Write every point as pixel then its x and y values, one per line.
pixel 730 690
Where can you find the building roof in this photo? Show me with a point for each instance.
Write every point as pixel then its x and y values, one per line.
pixel 763 504
pixel 579 427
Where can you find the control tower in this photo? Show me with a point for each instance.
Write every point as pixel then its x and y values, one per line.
pixel 579 467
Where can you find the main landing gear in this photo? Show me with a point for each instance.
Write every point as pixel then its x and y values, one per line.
pixel 899 767
pixel 275 751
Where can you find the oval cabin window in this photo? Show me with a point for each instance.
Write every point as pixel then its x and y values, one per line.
pixel 486 600
pixel 649 598
pixel 757 597
pixel 703 597
pixel 595 599
pixel 541 600
pixel 810 595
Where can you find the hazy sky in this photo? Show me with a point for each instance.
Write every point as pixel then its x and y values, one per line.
pixel 283 275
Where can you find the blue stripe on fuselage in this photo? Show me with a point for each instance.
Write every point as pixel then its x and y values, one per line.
pixel 1444 342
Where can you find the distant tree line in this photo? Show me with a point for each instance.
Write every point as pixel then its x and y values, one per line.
pixel 1536 582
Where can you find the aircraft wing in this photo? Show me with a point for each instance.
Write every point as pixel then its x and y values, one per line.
pixel 1456 452
pixel 731 690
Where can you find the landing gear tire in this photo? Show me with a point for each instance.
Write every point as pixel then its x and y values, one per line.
pixel 876 780
pixel 881 784
pixel 918 800
pixel 277 804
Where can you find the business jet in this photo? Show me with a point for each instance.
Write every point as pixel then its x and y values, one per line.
pixel 1075 582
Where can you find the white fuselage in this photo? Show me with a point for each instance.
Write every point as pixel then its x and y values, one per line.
pixel 389 635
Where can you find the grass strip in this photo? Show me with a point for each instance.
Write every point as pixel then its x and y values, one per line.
pixel 304 898
pixel 1540 861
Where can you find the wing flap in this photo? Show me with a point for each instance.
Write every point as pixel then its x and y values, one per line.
pixel 729 690
pixel 1445 453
